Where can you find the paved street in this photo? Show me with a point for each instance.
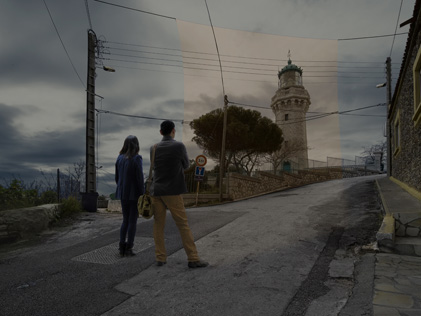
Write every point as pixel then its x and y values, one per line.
pixel 295 252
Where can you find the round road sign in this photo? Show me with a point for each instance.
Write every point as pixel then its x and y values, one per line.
pixel 201 160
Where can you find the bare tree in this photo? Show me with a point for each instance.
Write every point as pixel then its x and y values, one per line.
pixel 289 150
pixel 369 156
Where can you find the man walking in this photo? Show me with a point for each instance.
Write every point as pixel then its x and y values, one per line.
pixel 167 186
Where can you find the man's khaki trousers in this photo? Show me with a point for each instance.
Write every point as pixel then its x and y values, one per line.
pixel 175 204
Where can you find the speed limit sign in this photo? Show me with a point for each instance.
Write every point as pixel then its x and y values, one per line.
pixel 201 160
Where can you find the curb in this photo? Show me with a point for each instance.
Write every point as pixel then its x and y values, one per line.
pixel 386 234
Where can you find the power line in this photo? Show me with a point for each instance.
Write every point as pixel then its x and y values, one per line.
pixel 249 57
pixel 89 15
pixel 317 115
pixel 228 61
pixel 367 37
pixel 64 47
pixel 137 116
pixel 230 71
pixel 236 67
pixel 217 49
pixel 396 28
pixel 359 82
pixel 133 9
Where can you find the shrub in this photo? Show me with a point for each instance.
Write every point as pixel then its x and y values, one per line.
pixel 48 197
pixel 70 206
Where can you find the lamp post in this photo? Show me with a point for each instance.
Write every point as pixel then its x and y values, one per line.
pixel 388 85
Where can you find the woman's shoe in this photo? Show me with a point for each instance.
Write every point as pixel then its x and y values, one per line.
pixel 129 252
pixel 122 249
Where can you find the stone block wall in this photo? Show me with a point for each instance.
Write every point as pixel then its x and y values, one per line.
pixel 408 224
pixel 241 186
pixel 21 223
pixel 406 163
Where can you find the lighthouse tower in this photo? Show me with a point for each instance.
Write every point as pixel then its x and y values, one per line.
pixel 290 105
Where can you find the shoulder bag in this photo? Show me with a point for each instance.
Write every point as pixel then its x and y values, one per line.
pixel 144 204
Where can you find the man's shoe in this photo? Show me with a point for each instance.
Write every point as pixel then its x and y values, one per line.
pixel 197 264
pixel 160 263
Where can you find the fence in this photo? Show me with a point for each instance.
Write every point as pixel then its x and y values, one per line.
pixel 67 186
pixel 209 184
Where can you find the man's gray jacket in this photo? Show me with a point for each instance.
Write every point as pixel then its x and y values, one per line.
pixel 168 173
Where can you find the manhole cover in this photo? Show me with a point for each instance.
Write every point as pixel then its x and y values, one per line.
pixel 109 254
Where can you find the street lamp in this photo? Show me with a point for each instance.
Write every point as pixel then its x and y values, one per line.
pixel 109 69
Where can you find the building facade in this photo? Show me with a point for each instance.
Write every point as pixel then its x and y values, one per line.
pixel 290 105
pixel 404 114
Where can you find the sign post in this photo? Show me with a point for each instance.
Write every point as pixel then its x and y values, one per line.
pixel 199 172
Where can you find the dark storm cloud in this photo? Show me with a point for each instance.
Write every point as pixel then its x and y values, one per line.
pixel 25 155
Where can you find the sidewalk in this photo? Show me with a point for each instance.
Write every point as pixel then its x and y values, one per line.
pixel 397 277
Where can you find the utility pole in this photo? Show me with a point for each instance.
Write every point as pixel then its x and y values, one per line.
pixel 89 199
pixel 388 100
pixel 222 159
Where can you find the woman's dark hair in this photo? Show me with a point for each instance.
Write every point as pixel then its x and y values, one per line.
pixel 130 147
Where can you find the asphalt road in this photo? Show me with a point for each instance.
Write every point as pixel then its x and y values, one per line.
pixel 270 255
pixel 47 279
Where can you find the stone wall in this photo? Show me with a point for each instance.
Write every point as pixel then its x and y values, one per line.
pixel 241 186
pixel 408 224
pixel 406 163
pixel 21 223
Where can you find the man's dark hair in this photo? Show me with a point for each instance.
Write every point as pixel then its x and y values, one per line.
pixel 130 147
pixel 167 127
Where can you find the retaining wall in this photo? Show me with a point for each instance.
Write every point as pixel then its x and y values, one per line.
pixel 22 223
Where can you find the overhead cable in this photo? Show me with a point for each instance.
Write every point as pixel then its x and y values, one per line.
pixel 133 9
pixel 249 57
pixel 217 49
pixel 396 28
pixel 367 37
pixel 89 15
pixel 231 71
pixel 242 79
pixel 64 47
pixel 137 116
pixel 225 61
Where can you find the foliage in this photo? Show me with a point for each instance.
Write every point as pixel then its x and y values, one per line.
pixel 70 206
pixel 18 195
pixel 249 136
pixel 15 193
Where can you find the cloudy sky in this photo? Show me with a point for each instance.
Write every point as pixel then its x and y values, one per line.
pixel 43 62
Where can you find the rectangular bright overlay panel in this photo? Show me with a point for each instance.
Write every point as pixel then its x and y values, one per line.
pixel 250 64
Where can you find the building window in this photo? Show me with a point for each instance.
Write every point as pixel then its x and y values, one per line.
pixel 396 135
pixel 416 71
pixel 286 117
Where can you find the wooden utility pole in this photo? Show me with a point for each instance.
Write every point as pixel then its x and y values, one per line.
pixel 90 116
pixel 222 158
pixel 90 197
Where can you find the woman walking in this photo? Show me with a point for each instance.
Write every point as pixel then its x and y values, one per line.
pixel 129 180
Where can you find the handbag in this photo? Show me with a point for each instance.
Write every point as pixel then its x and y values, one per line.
pixel 144 203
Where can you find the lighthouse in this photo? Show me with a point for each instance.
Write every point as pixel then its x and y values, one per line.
pixel 290 105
